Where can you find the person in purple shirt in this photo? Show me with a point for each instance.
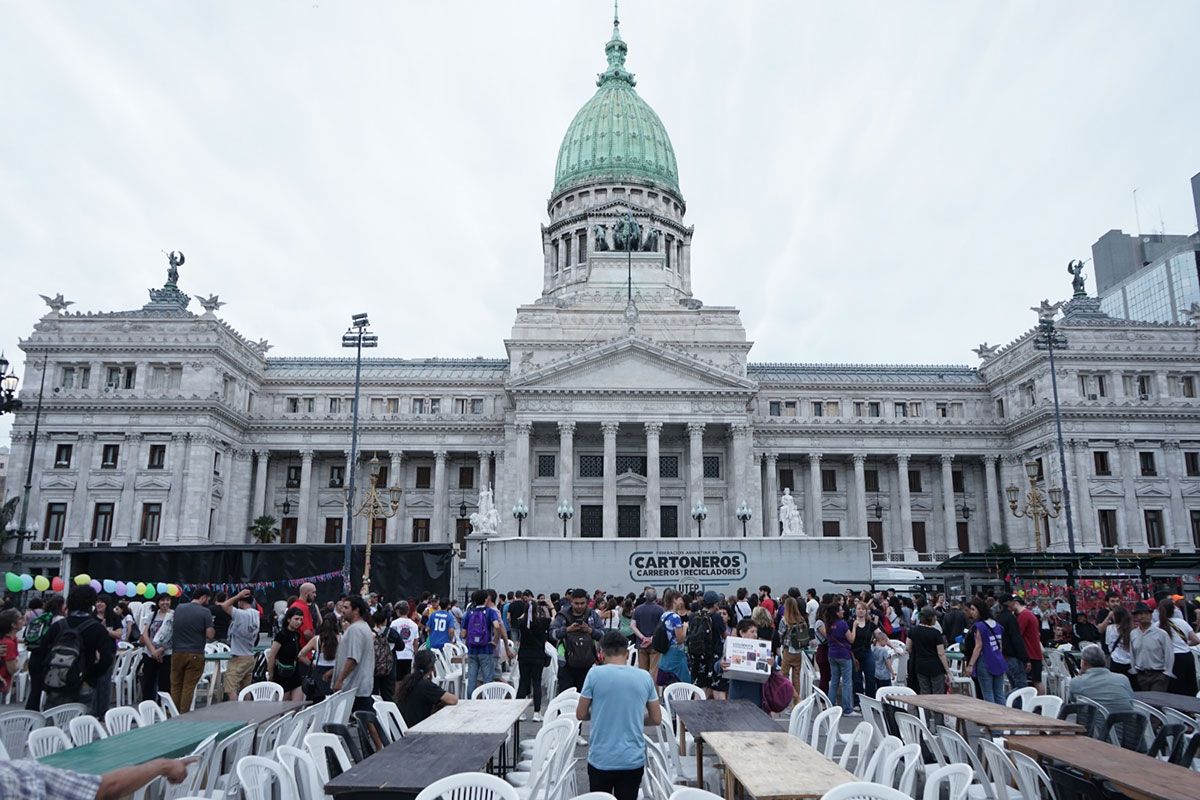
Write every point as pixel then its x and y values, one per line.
pixel 841 661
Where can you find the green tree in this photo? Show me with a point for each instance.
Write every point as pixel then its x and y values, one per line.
pixel 263 529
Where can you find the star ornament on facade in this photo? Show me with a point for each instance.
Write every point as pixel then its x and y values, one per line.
pixel 211 304
pixel 1046 309
pixel 57 303
pixel 985 350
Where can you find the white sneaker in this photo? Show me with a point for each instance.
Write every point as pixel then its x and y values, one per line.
pixel 854 713
pixel 582 742
pixel 537 716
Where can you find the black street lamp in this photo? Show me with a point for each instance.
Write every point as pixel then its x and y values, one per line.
pixel 358 337
pixel 1048 338
pixel 966 511
pixel 520 512
pixel 744 514
pixel 878 510
pixel 8 388
pixel 565 512
pixel 699 512
pixel 23 530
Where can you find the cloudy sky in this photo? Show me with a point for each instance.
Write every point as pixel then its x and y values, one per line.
pixel 869 182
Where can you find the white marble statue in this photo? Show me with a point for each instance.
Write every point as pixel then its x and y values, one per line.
pixel 789 515
pixel 485 521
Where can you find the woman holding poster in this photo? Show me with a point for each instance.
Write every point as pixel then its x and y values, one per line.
pixel 747 676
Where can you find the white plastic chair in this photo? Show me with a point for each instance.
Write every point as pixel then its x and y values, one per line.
pixel 494 691
pixel 168 705
pixel 801 720
pixel 858 748
pixel 1024 695
pixel 262 691
pixel 86 729
pixel 1001 768
pixel 303 769
pixel 320 746
pixel 469 786
pixel 864 791
pixel 825 728
pixel 61 716
pixel 607 796
pixel 899 769
pixel 47 741
pixel 201 756
pixel 268 738
pixel 259 776
pixel 391 718
pixel 15 727
pixel 549 739
pixel 681 691
pixel 1191 724
pixel 954 777
pixel 121 720
pixel 956 750
pixel 913 731
pixel 1048 705
pixel 1032 780
pixel 884 693
pixel 225 756
pixel 151 712
pixel 886 746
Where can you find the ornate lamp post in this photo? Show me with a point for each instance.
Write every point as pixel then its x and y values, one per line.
pixel 520 512
pixel 1035 504
pixel 1048 338
pixel 375 505
pixel 358 337
pixel 565 512
pixel 699 512
pixel 8 388
pixel 23 530
pixel 744 514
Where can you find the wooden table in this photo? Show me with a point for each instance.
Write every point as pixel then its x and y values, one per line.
pixel 1137 775
pixel 989 716
pixel 702 717
pixel 774 766
pixel 479 716
pixel 244 711
pixel 1180 702
pixel 405 767
pixel 171 739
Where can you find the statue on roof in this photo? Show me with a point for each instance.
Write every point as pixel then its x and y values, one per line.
pixel 486 520
pixel 1046 309
pixel 789 515
pixel 600 233
pixel 626 234
pixel 175 259
pixel 211 304
pixel 57 303
pixel 1075 269
pixel 985 350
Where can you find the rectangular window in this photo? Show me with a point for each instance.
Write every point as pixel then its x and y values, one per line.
pixel 310 405
pixel 1041 470
pixel 957 482
pixel 217 463
pixel 1106 522
pixel 630 463
pixel 376 406
pixel 420 530
pixel 157 458
pixel 424 478
pixel 567 249
pixel 1195 515
pixel 66 378
pixel 293 405
pixel 875 533
pixel 964 537
pixel 789 408
pixel 462 529
pixel 591 522
pixel 337 476
pixel 582 247
pixel 591 466
pixel 393 405
pixel 831 528
pixel 914 480
pixel 462 405
pixel 712 468
pixel 1101 465
pixel 919 543
pixel 629 521
pixel 102 522
pixel 914 409
pixel 871 480
pixel 378 531
pixel 435 405
pixel 1155 537
pixel 1000 407
pixel 1191 464
pixel 333 530
pixel 1144 384
pixel 860 408
pixel 829 480
pixel 942 410
pixel 1101 386
pixel 381 475
pixel 151 520
pixel 787 480
pixel 335 405
pixel 668 521
pixel 466 477
pixel 287 530
pixel 62 455
pixel 130 378
pixel 476 405
pixel 833 408
pixel 900 409
pixel 547 465
pixel 109 454
pixel 56 522
pixel 1187 385
pixel 418 405
pixel 668 467
pixel 874 409
pixel 775 408
pixel 293 476
pixel 818 408
pixel 1146 462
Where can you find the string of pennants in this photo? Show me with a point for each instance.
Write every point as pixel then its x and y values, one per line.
pixel 148 590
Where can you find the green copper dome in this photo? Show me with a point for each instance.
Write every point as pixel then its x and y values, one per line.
pixel 616 135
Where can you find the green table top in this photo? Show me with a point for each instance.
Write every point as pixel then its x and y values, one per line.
pixel 172 739
pixel 227 655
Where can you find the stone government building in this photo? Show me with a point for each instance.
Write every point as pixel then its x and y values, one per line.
pixel 622 394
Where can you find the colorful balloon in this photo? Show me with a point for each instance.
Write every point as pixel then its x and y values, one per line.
pixel 110 585
pixel 41 583
pixel 12 582
pixel 26 582
pixel 120 590
pixel 172 590
pixel 57 583
pixel 83 580
pixel 97 585
pixel 160 588
pixel 149 592
pixel 141 589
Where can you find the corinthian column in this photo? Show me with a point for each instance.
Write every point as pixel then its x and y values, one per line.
pixel 772 510
pixel 993 499
pixel 949 517
pixel 695 465
pixel 609 428
pixel 260 483
pixel 566 461
pixel 814 495
pixel 858 515
pixel 653 490
pixel 906 531
pixel 741 457
pixel 440 498
pixel 304 532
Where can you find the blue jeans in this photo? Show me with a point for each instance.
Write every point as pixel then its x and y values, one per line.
pixel 864 677
pixel 841 682
pixel 1016 673
pixel 481 669
pixel 991 685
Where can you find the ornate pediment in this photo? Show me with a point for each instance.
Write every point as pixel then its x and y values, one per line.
pixel 1151 490
pixel 1190 490
pixel 153 482
pixel 105 482
pixel 631 365
pixel 53 481
pixel 1107 490
pixel 630 480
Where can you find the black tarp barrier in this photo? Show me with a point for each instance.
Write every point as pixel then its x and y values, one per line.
pixel 397 570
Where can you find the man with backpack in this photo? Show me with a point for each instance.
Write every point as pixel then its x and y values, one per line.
pixel 36 632
pixel 705 642
pixel 484 637
pixel 577 629
pixel 77 652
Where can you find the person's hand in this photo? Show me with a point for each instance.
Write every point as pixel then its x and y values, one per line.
pixel 175 770
pixel 724 664
pixel 1028 667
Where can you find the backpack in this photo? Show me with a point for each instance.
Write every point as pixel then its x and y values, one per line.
pixel 64 663
pixel 699 639
pixel 579 649
pixel 797 636
pixel 36 630
pixel 478 630
pixel 660 642
pixel 383 655
pixel 777 692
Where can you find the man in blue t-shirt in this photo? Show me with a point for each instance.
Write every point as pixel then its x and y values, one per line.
pixel 620 700
pixel 442 626
pixel 484 635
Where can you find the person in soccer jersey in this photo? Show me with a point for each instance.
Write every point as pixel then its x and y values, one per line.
pixel 442 626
